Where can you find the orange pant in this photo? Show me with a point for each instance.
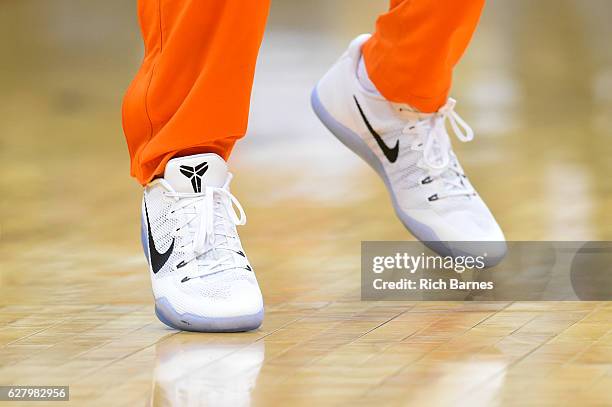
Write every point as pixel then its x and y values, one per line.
pixel 192 92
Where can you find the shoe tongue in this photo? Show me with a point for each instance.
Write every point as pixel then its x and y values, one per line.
pixel 194 172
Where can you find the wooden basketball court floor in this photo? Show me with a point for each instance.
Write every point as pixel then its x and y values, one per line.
pixel 75 302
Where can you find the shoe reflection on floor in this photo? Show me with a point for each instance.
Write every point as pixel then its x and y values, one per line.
pixel 196 370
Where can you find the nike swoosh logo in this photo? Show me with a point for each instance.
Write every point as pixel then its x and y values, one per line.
pixel 157 259
pixel 390 153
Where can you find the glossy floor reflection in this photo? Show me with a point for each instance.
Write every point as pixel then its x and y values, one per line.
pixel 192 371
pixel 75 302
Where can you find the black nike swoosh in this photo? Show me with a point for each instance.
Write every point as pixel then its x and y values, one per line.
pixel 157 259
pixel 390 153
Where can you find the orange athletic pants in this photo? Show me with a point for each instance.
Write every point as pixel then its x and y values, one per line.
pixel 192 92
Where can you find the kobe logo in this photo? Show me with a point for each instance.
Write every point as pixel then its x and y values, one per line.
pixel 195 175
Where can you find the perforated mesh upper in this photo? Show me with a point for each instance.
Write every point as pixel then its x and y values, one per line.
pixel 162 227
pixel 211 288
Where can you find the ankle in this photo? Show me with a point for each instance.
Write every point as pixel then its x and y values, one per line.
pixel 364 79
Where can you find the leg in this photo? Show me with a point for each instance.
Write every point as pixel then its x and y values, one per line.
pixel 192 92
pixel 411 56
pixel 182 115
pixel 409 61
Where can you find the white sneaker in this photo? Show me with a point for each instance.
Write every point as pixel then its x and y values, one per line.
pixel 412 153
pixel 202 280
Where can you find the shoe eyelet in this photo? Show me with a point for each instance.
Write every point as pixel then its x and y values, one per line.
pixel 426 180
pixel 432 198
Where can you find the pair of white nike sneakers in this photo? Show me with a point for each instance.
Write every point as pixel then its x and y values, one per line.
pixel 201 277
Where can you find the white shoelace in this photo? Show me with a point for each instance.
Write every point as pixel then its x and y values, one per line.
pixel 438 158
pixel 210 223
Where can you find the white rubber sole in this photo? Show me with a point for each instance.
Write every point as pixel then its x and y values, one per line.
pixel 195 323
